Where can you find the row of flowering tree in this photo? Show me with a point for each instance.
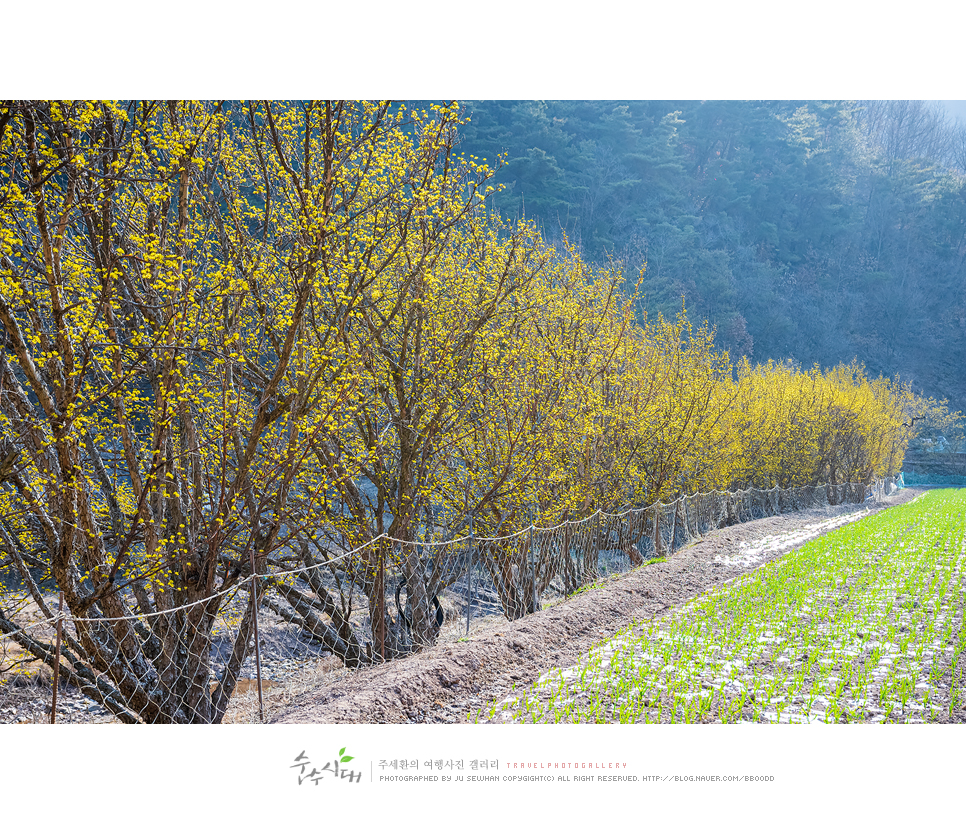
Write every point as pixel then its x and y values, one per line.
pixel 244 337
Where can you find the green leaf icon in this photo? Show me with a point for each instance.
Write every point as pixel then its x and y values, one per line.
pixel 346 759
pixel 342 751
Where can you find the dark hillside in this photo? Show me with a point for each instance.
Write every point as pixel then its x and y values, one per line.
pixel 819 231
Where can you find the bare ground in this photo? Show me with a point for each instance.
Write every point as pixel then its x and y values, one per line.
pixel 452 681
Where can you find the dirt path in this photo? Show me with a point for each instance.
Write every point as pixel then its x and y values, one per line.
pixel 451 682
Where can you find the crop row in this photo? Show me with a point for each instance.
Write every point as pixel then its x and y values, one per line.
pixel 863 624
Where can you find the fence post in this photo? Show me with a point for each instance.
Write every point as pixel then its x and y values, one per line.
pixel 533 602
pixel 658 541
pixel 469 579
pixel 675 521
pixel 597 545
pixel 379 625
pixel 60 623
pixel 258 657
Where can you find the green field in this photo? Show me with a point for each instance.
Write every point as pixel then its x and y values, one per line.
pixel 864 624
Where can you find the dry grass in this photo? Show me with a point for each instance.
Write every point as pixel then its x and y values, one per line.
pixel 278 695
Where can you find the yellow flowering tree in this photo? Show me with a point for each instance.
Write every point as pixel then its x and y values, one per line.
pixel 792 427
pixel 176 283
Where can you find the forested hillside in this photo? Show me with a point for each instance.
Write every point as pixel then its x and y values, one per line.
pixel 820 231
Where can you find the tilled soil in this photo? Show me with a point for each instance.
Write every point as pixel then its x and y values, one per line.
pixel 451 682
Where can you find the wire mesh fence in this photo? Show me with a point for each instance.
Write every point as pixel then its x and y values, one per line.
pixel 228 657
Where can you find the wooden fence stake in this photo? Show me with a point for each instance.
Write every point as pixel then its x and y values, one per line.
pixel 469 577
pixel 60 623
pixel 258 659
